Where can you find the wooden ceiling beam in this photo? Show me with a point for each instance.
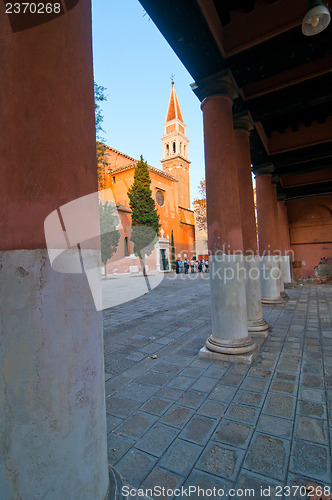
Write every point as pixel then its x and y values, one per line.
pixel 265 21
pixel 287 78
pixel 317 133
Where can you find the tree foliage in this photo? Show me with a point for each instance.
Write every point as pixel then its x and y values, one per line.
pixel 109 235
pixel 99 117
pixel 145 219
pixel 100 146
pixel 200 207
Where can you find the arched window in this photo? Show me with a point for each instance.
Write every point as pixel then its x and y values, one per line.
pixel 180 147
pixel 174 147
pixel 160 198
pixel 126 247
pixel 167 149
pixel 184 149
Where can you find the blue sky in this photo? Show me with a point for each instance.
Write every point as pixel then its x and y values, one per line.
pixel 134 62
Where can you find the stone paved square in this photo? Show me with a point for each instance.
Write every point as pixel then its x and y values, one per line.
pixel 279 404
pixel 212 409
pixel 276 426
pixel 221 460
pixel 206 482
pixel 199 429
pixel 156 406
pixel 157 439
pixel 311 460
pixel 192 398
pixel 268 456
pixel 182 420
pixel 181 456
pixel 311 429
pixel 136 424
pixel 233 433
pixel 161 478
pixel 177 416
pixel 242 413
pixel 135 466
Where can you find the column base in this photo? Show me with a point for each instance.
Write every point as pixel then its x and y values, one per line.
pixel 259 328
pixel 245 358
pixel 273 301
pixel 230 346
pixel 284 295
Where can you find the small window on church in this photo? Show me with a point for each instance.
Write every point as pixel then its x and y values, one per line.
pixel 174 147
pixel 114 179
pixel 126 247
pixel 180 147
pixel 167 149
pixel 184 149
pixel 160 198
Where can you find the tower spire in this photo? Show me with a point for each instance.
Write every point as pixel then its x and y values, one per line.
pixel 175 148
pixel 174 110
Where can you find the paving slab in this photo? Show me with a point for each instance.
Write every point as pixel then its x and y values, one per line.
pixel 221 460
pixel 157 439
pixel 181 457
pixel 268 456
pixel 233 433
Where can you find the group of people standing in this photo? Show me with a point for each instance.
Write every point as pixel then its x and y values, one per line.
pixel 196 266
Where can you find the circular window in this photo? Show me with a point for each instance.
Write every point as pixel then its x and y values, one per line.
pixel 160 198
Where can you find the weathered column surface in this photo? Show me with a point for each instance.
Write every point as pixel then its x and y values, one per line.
pixel 52 418
pixel 285 260
pixel 229 340
pixel 257 326
pixel 268 235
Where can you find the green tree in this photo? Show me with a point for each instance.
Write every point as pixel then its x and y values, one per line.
pixel 100 146
pixel 144 217
pixel 99 117
pixel 109 235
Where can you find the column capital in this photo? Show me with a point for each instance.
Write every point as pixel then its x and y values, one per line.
pixel 243 121
pixel 221 83
pixel 263 168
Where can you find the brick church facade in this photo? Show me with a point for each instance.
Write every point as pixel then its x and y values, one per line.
pixel 170 190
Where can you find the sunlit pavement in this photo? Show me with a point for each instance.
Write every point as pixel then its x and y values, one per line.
pixel 176 420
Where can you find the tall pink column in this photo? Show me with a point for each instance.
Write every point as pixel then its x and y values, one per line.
pixel 229 339
pixel 52 415
pixel 268 235
pixel 285 260
pixel 257 326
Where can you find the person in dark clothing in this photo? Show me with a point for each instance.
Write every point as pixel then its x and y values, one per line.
pixel 177 266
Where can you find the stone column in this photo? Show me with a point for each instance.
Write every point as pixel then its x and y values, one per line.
pixel 229 340
pixel 52 419
pixel 267 221
pixel 257 326
pixel 285 261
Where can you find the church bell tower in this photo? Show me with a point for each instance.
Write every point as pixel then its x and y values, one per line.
pixel 175 149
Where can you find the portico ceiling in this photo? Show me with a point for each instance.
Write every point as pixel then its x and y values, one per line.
pixel 284 78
